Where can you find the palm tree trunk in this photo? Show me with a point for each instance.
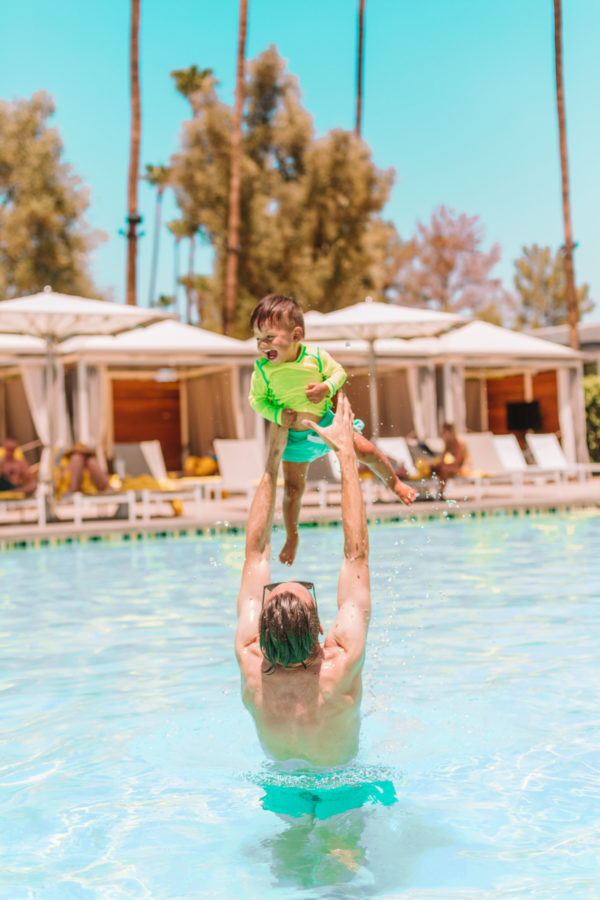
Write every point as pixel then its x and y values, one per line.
pixel 359 68
pixel 133 217
pixel 235 181
pixel 572 310
pixel 176 272
pixel 189 287
pixel 155 245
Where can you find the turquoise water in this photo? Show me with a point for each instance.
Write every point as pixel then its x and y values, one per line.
pixel 130 769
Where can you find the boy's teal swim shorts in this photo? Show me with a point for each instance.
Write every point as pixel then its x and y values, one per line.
pixel 305 446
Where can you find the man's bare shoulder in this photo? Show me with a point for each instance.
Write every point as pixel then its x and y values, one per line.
pixel 339 667
pixel 334 665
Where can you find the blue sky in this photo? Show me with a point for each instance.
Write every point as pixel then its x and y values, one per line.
pixel 459 100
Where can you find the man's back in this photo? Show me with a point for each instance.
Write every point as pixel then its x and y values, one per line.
pixel 305 697
pixel 310 714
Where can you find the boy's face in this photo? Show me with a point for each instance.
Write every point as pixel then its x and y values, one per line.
pixel 278 342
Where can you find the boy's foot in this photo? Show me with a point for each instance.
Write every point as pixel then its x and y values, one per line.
pixel 288 554
pixel 406 493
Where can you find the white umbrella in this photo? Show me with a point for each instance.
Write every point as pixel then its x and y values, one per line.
pixel 56 317
pixel 170 341
pixel 370 321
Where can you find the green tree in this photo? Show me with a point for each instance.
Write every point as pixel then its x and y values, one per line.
pixel 310 208
pixel 591 388
pixel 191 81
pixel 541 289
pixel 447 269
pixel 44 238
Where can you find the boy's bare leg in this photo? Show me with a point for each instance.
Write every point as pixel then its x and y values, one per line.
pixel 294 476
pixel 378 463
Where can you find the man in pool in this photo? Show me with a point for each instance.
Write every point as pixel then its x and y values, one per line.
pixel 305 696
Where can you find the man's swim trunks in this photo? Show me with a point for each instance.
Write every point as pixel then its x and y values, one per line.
pixel 305 446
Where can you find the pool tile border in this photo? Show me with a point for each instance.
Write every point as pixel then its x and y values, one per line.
pixel 131 537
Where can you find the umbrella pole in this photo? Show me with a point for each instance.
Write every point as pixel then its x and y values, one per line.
pixel 50 386
pixel 373 392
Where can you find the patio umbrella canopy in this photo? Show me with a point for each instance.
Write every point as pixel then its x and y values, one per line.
pixel 56 317
pixel 370 321
pixel 172 341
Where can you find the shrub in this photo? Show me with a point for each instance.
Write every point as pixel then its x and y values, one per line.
pixel 591 388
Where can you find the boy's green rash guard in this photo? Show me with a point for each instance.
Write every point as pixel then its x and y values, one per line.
pixel 277 387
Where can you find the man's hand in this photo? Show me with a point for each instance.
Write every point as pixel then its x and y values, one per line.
pixel 340 434
pixel 317 391
pixel 288 418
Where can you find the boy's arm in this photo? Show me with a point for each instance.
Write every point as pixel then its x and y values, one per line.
pixel 334 373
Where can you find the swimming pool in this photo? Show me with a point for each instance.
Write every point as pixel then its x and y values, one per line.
pixel 131 770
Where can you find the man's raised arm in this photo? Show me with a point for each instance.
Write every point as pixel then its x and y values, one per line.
pixel 256 571
pixel 349 630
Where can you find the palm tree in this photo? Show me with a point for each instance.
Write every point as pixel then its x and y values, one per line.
pixel 359 68
pixel 572 308
pixel 133 216
pixel 191 80
pixel 159 177
pixel 235 180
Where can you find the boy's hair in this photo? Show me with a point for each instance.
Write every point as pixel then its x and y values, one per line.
pixel 288 630
pixel 277 308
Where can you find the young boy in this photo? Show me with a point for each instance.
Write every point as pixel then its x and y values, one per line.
pixel 293 382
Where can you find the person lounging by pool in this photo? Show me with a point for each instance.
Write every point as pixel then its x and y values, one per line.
pixel 15 474
pixel 304 695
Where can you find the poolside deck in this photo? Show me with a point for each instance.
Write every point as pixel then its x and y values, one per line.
pixel 232 513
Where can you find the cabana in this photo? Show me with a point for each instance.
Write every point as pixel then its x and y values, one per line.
pixel 479 376
pixel 186 386
pixel 173 382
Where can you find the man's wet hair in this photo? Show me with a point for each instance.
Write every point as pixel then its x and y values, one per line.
pixel 288 630
pixel 278 310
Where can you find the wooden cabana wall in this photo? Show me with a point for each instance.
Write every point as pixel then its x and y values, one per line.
pixel 184 409
pixel 145 410
pixel 525 387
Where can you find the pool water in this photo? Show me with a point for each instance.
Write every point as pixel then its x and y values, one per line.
pixel 131 770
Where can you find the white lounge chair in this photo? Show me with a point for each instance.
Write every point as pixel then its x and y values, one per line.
pixel 486 465
pixel 397 449
pixel 146 458
pixel 241 465
pixel 511 457
pixel 547 452
pixel 82 503
pixel 325 477
pixel 35 503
